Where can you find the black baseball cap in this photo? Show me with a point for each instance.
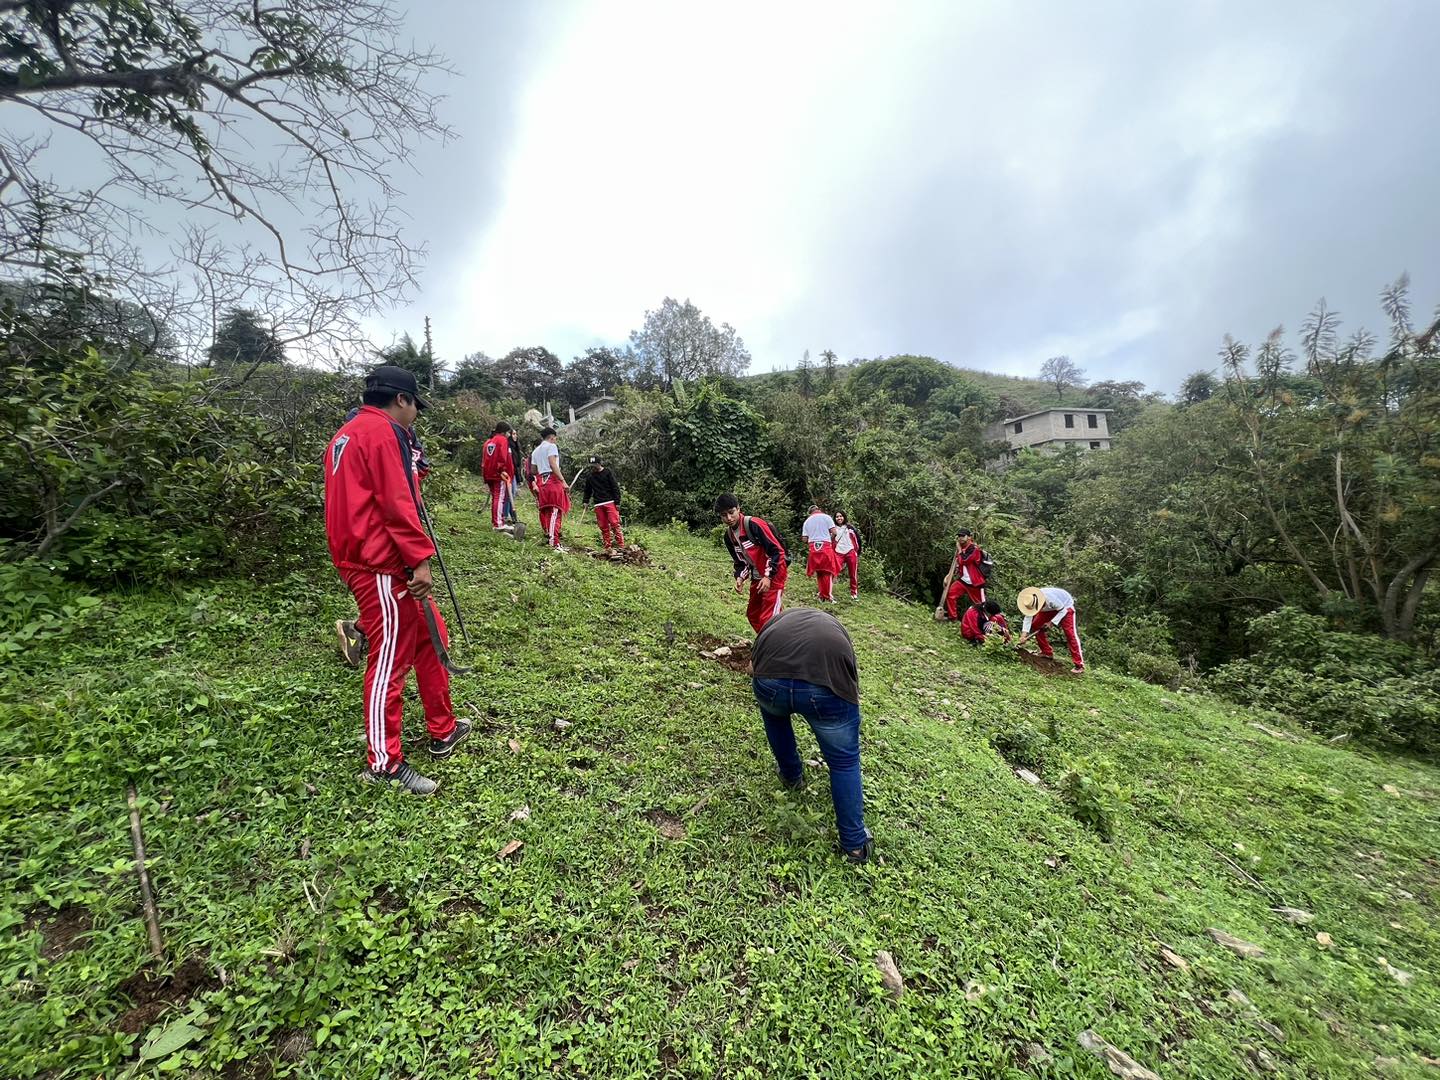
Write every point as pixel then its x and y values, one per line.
pixel 397 380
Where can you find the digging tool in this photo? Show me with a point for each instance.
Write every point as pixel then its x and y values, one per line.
pixel 449 585
pixel 437 642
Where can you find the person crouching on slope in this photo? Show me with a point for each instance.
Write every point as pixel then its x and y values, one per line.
pixel 1041 608
pixel 821 562
pixel 552 494
pixel 602 491
pixel 847 549
pixel 498 468
pixel 982 620
pixel 803 662
pixel 380 548
pixel 758 556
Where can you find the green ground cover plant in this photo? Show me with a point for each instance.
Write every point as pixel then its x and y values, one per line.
pixel 671 911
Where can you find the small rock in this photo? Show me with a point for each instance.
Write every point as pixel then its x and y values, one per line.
pixel 510 850
pixel 561 725
pixel 1035 1054
pixel 1115 1059
pixel 1028 776
pixel 1238 997
pixel 522 814
pixel 1267 1027
pixel 974 991
pixel 696 686
pixel 723 650
pixel 514 745
pixel 814 763
pixel 305 848
pixel 1324 940
pixel 1174 959
pixel 1294 915
pixel 1234 944
pixel 1404 978
pixel 1263 1061
pixel 1094 712
pixel 890 974
pixel 706 654
pixel 1390 789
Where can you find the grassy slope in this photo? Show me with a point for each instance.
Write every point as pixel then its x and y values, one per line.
pixel 405 947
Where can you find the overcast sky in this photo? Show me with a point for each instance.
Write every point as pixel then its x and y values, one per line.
pixel 987 183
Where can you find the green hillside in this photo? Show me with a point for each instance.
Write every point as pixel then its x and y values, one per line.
pixel 671 911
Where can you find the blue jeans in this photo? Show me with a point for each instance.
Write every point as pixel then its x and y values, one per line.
pixel 509 510
pixel 836 724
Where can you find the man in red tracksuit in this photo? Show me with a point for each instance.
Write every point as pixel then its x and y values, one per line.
pixel 759 556
pixel 380 548
pixel 967 578
pixel 498 469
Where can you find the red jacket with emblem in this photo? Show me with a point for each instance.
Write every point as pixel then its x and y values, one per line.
pixel 372 497
pixel 967 565
pixel 497 464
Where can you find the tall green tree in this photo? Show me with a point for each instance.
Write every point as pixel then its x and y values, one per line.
pixel 243 342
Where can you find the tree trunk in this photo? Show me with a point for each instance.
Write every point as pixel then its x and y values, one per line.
pixel 1399 618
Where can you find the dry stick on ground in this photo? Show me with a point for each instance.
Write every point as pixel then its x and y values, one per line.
pixel 147 899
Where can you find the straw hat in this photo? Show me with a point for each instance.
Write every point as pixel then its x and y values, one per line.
pixel 1030 601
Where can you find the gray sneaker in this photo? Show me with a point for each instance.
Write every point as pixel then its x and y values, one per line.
pixel 403 776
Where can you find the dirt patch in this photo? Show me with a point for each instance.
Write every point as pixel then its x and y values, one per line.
pixel 61 932
pixel 734 655
pixel 154 994
pixel 630 555
pixel 666 823
pixel 1045 665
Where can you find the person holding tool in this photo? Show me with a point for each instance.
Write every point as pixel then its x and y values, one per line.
pixel 552 494
pixel 758 556
pixel 382 551
pixel 498 469
pixel 601 490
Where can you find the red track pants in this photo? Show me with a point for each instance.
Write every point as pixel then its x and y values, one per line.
pixel 1066 623
pixel 851 562
pixel 498 488
pixel 550 521
pixel 607 516
pixel 399 640
pixel 976 593
pixel 764 606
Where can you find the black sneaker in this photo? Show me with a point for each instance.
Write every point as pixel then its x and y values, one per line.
pixel 863 852
pixel 443 748
pixel 404 776
pixel 798 784
pixel 353 643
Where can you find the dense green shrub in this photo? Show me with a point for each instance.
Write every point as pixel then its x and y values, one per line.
pixel 1023 747
pixel 1140 645
pixel 1334 682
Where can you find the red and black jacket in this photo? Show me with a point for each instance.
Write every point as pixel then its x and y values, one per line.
pixel 496 463
pixel 372 496
pixel 755 548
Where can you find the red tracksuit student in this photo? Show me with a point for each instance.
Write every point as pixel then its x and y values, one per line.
pixel 380 548
pixel 967 578
pixel 1043 607
pixel 981 620
pixel 847 547
pixel 552 494
pixel 759 556
pixel 821 562
pixel 603 491
pixel 498 468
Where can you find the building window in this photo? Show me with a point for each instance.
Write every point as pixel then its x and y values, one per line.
pixel 1019 427
pixel 1069 419
pixel 1094 446
pixel 1091 420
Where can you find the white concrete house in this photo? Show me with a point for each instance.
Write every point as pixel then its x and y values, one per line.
pixel 1050 430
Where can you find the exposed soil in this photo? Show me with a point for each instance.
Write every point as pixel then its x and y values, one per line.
pixel 154 994
pixel 1043 664
pixel 630 554
pixel 61 932
pixel 734 655
pixel 666 823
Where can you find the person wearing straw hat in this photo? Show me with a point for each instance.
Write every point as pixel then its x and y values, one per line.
pixel 1046 607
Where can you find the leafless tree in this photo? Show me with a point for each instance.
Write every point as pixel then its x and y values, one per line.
pixel 1062 373
pixel 190 155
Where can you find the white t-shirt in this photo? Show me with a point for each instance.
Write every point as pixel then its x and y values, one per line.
pixel 1055 600
pixel 541 455
pixel 843 543
pixel 817 528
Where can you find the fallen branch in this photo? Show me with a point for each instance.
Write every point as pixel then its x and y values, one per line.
pixel 147 898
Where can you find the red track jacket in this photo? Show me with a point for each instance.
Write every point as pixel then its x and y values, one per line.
pixel 372 497
pixel 497 463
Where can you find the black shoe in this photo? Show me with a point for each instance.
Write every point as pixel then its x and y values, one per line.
pixel 404 776
pixel 798 784
pixel 443 748
pixel 863 852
